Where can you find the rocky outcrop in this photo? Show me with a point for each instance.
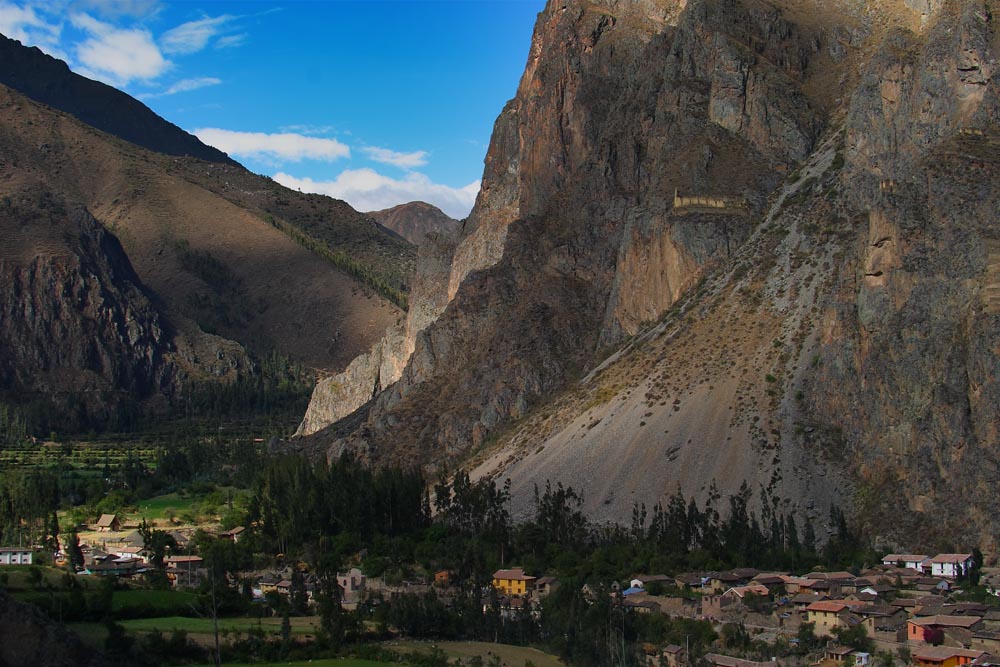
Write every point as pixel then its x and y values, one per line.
pixel 336 396
pixel 29 637
pixel 77 327
pixel 910 365
pixel 415 220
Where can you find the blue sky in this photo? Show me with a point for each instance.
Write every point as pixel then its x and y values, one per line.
pixel 376 102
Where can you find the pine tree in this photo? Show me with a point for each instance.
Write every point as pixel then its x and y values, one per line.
pixel 74 552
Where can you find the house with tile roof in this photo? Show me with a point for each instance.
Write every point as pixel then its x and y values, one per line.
pixel 907 561
pixel 943 656
pixel 951 566
pixel 917 628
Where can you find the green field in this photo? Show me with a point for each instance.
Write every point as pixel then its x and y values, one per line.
pixel 163 602
pixel 305 625
pixel 17 578
pixel 156 508
pixel 206 505
pixel 329 662
pixel 95 633
pixel 512 656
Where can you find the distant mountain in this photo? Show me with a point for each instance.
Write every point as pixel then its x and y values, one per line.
pixel 49 81
pixel 415 220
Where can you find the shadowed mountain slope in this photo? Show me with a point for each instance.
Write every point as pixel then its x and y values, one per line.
pixel 50 81
pixel 217 259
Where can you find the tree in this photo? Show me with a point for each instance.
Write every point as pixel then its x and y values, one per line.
pixel 118 644
pixel 856 637
pixel 73 551
pixel 331 614
pixel 735 635
pixel 884 659
pixel 286 634
pixel 157 542
pixel 807 637
pixel 298 594
pixel 53 531
pixel 934 636
pixel 976 569
pixel 809 537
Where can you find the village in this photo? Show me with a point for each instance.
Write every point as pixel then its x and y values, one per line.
pixel 910 609
pixel 904 606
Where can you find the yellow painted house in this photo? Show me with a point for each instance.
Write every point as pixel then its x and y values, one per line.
pixel 513 582
pixel 826 615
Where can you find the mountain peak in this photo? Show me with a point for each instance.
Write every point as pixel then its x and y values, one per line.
pixel 51 82
pixel 415 220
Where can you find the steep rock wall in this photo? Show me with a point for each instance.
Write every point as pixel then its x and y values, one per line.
pixel 76 325
pixel 336 396
pixel 834 341
pixel 849 352
pixel 620 104
pixel 911 363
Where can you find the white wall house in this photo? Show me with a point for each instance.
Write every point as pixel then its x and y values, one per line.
pixel 913 561
pixel 951 565
pixel 15 556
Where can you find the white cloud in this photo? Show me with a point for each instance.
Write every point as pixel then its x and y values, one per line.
pixel 193 36
pixel 312 130
pixel 114 8
pixel 185 85
pixel 25 25
pixel 367 190
pixel 231 41
pixel 283 146
pixel 115 55
pixel 396 159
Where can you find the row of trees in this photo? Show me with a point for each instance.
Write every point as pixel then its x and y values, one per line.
pixel 304 508
pixel 13 426
pixel 385 279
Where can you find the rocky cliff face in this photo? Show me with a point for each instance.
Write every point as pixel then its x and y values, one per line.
pixel 581 173
pixel 338 395
pixel 76 326
pixel 911 353
pixel 415 220
pixel 786 211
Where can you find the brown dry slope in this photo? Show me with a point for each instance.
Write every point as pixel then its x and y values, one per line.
pixel 210 260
